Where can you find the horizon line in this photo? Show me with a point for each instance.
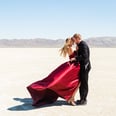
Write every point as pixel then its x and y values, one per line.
pixel 49 38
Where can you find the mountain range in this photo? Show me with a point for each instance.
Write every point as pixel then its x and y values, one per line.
pixel 50 43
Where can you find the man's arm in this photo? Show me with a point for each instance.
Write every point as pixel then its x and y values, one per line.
pixel 83 56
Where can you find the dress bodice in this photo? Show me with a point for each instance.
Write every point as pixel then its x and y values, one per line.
pixel 72 55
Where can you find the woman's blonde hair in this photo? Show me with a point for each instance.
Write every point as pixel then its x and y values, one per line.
pixel 64 49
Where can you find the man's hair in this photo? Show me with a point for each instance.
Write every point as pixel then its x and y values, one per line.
pixel 77 36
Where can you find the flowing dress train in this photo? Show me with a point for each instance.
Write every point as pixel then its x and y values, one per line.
pixel 62 82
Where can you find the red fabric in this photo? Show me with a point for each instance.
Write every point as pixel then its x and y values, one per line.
pixel 62 82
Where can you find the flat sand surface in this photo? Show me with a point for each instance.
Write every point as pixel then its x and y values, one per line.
pixel 19 67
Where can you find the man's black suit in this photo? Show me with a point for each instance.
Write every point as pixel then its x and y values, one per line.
pixel 82 56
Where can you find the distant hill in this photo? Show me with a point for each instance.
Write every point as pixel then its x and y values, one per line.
pixel 102 42
pixel 28 43
pixel 49 43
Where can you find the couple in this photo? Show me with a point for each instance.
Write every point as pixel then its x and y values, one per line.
pixel 65 80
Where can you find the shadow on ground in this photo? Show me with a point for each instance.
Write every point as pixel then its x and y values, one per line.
pixel 27 104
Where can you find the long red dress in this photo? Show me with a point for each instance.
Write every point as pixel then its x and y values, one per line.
pixel 62 82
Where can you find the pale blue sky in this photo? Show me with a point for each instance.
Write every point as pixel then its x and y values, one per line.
pixel 57 19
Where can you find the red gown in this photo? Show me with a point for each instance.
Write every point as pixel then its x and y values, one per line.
pixel 62 82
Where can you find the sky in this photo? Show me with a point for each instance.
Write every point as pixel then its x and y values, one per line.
pixel 57 19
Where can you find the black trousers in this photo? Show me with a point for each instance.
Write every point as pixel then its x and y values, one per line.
pixel 84 83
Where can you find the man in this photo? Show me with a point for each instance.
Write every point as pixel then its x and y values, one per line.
pixel 82 56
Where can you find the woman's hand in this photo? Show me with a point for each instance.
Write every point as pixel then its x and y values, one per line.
pixel 72 59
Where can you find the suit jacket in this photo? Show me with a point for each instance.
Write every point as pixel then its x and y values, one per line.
pixel 83 55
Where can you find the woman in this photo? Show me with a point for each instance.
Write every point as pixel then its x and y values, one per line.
pixel 62 82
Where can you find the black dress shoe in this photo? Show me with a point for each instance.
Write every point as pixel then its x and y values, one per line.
pixel 81 102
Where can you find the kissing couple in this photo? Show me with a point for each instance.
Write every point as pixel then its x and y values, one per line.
pixel 67 78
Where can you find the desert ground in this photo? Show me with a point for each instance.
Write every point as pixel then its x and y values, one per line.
pixel 19 67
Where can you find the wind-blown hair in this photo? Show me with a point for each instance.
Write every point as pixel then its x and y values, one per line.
pixel 64 49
